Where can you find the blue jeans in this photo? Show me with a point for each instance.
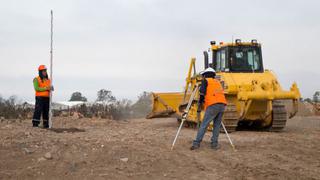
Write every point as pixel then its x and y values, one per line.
pixel 215 113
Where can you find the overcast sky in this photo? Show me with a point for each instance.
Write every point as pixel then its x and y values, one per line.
pixel 130 46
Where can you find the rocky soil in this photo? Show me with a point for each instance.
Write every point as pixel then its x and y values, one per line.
pixel 140 149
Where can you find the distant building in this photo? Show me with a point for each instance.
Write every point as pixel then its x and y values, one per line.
pixel 61 105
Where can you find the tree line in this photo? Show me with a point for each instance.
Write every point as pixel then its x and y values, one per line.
pixel 315 98
pixel 106 105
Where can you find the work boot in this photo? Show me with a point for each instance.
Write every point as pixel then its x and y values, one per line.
pixel 35 122
pixel 215 146
pixel 194 147
pixel 45 124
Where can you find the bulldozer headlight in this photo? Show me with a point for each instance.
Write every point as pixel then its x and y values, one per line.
pixel 254 41
pixel 213 42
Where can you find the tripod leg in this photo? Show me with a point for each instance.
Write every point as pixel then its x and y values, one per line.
pixel 185 115
pixel 225 130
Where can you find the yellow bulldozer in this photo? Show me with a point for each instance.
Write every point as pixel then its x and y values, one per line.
pixel 254 95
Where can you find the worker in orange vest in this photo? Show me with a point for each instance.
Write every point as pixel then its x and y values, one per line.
pixel 212 95
pixel 42 88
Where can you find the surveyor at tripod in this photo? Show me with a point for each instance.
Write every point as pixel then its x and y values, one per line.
pixel 212 95
pixel 42 89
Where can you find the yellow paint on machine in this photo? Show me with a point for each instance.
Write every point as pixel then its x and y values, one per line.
pixel 252 93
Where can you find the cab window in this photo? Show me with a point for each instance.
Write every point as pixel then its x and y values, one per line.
pixel 218 61
pixel 223 60
pixel 245 59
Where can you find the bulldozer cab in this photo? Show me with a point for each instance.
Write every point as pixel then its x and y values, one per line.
pixel 237 57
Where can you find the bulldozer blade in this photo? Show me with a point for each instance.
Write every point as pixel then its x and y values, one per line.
pixel 166 104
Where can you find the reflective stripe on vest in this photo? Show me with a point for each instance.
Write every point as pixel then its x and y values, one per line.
pixel 42 84
pixel 214 93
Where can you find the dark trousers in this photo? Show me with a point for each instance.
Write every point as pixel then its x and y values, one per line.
pixel 213 113
pixel 41 108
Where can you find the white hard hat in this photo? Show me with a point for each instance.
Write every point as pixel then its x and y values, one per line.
pixel 209 69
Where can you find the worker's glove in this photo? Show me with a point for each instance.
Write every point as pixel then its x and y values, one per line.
pixel 50 88
pixel 201 99
pixel 200 102
pixel 184 115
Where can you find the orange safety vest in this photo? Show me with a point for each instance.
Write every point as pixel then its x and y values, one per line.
pixel 214 93
pixel 42 84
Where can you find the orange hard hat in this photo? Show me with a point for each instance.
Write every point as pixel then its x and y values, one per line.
pixel 42 67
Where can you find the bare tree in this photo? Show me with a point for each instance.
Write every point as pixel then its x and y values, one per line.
pixel 105 96
pixel 8 108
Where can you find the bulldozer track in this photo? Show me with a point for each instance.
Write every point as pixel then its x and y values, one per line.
pixel 279 116
pixel 230 118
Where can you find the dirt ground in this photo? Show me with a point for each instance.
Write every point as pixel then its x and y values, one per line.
pixel 140 149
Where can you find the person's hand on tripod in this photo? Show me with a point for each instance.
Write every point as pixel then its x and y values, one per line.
pixel 184 115
pixel 50 88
